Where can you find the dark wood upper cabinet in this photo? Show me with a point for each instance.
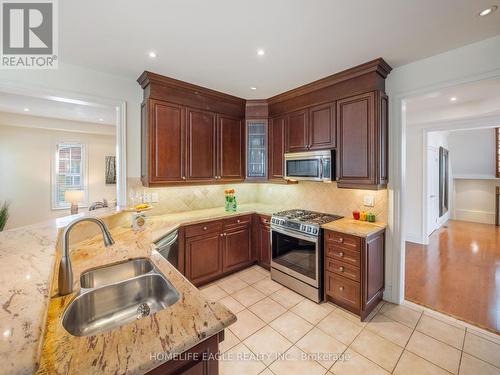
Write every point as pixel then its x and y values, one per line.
pixel 190 134
pixel 231 136
pixel 362 141
pixel 201 161
pixel 276 132
pixel 322 129
pixel 297 131
pixel 194 135
pixel 166 141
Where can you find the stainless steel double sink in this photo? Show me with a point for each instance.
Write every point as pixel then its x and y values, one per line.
pixel 117 294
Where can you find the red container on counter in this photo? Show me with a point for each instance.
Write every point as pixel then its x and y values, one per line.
pixel 355 215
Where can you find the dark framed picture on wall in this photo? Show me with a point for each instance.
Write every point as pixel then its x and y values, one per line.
pixel 443 181
pixel 110 170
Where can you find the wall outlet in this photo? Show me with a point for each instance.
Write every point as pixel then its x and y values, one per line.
pixel 369 200
pixel 154 198
pixel 146 197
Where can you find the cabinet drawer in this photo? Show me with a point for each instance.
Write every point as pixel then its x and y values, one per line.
pixel 266 220
pixel 341 254
pixel 342 269
pixel 237 221
pixel 345 241
pixel 343 291
pixel 197 229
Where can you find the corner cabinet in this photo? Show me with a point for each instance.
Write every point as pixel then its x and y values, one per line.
pixel 362 131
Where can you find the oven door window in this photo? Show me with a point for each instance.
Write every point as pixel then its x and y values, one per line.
pixel 303 168
pixel 295 254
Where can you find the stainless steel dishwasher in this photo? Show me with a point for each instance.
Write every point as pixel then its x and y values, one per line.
pixel 168 247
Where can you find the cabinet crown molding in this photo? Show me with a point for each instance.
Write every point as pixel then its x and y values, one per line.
pixel 147 78
pixel 378 65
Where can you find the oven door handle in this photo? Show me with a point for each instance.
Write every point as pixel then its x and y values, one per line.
pixel 321 168
pixel 294 234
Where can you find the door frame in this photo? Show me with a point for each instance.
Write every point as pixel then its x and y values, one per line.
pixel 85 99
pixel 426 209
pixel 395 243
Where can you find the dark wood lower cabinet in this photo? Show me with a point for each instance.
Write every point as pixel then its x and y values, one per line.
pixel 263 240
pixel 199 360
pixel 203 257
pixel 216 248
pixel 237 248
pixel 354 271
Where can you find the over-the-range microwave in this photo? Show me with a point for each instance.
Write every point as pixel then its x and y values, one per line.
pixel 310 165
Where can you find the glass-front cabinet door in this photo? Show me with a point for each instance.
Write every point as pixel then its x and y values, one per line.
pixel 256 149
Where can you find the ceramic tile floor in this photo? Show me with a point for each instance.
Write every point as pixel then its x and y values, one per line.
pixel 280 332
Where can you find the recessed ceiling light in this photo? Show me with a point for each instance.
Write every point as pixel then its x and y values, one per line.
pixel 253 88
pixel 261 52
pixel 152 54
pixel 453 99
pixel 101 119
pixel 487 11
pixel 26 109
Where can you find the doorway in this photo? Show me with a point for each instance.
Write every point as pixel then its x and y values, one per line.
pixel 59 149
pixel 451 251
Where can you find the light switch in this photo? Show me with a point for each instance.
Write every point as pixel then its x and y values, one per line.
pixel 154 198
pixel 369 200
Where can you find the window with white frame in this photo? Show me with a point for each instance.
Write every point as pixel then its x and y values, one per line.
pixel 69 173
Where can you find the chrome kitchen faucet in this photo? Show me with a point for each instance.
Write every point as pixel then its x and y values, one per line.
pixel 65 278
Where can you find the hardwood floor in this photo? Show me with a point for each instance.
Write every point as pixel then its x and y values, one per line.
pixel 458 273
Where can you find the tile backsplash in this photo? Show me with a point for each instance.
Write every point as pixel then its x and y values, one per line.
pixel 186 198
pixel 324 197
pixel 317 196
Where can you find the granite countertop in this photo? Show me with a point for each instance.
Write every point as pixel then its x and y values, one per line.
pixel 355 227
pixel 30 319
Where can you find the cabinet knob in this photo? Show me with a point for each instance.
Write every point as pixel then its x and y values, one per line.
pixel 221 234
pixel 225 234
pixel 183 177
pixel 341 288
pixel 204 228
pixel 239 221
pixel 341 269
pixel 341 254
pixel 341 240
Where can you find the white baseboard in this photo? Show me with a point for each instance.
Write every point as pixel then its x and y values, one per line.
pixel 410 237
pixel 484 217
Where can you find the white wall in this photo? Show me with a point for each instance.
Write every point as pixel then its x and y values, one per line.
pixel 414 180
pixel 474 175
pixel 474 152
pixel 81 80
pixel 25 170
pixel 474 200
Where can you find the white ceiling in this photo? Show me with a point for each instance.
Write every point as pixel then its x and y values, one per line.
pixel 58 108
pixel 478 99
pixel 213 43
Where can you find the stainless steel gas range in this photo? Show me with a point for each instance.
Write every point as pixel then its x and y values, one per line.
pixel 297 251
